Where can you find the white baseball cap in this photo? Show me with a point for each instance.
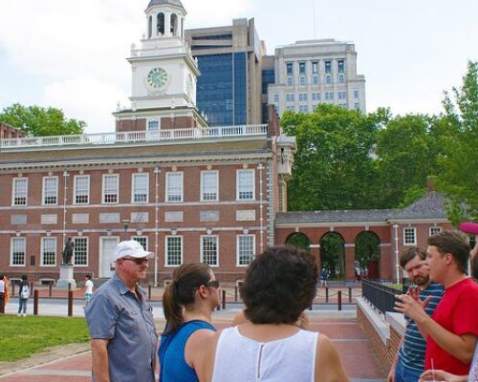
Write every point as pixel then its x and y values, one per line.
pixel 130 248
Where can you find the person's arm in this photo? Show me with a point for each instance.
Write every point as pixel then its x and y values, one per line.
pixel 194 351
pixel 391 373
pixel 440 375
pixel 99 355
pixel 328 366
pixel 461 347
pixel 206 368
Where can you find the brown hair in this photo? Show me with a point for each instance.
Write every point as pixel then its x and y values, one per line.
pixel 280 283
pixel 410 254
pixel 181 292
pixel 455 243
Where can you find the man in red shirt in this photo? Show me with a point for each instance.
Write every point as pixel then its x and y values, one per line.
pixel 452 330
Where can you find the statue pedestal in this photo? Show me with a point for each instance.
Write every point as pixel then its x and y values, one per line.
pixel 66 277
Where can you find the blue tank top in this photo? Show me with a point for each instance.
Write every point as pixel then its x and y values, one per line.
pixel 173 366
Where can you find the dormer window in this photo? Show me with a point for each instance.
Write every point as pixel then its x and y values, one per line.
pixel 160 23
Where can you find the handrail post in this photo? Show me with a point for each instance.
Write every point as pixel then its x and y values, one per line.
pixel 327 294
pixel 223 299
pixel 339 297
pixel 350 294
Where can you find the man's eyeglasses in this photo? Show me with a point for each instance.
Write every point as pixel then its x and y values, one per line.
pixel 213 283
pixel 137 260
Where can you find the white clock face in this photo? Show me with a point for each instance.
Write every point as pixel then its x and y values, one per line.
pixel 157 78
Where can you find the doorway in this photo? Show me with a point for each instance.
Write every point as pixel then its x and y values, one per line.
pixel 107 246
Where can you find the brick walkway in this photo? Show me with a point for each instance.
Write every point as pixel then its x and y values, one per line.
pixel 357 356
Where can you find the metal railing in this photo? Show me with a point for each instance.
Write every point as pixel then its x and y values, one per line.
pixel 137 136
pixel 380 295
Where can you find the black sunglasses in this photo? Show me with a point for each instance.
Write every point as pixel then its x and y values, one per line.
pixel 213 283
pixel 137 260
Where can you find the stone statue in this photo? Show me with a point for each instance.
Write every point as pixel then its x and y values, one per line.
pixel 68 251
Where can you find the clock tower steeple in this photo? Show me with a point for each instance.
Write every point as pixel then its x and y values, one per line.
pixel 163 70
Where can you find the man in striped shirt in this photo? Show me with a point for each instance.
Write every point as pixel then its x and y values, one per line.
pixel 409 361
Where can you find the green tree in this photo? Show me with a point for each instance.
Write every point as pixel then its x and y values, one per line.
pixel 39 121
pixel 459 162
pixel 334 166
pixel 406 156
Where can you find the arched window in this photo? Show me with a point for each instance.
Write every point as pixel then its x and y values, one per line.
pixel 150 26
pixel 174 24
pixel 160 22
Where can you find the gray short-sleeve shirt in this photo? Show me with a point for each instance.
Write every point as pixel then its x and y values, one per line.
pixel 115 314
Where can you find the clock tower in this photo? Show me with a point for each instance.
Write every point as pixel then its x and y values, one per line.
pixel 164 74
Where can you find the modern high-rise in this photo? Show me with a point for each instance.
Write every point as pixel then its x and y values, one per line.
pixel 229 59
pixel 308 73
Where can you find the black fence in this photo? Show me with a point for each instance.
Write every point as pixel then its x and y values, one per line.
pixel 381 295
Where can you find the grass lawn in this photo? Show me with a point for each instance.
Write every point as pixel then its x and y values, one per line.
pixel 22 336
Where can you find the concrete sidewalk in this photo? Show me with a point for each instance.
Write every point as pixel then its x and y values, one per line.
pixel 342 328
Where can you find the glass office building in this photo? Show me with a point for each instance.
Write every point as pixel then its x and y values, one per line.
pixel 229 87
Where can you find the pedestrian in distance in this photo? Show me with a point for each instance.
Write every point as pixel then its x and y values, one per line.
pixel 440 375
pixel 2 294
pixel 324 276
pixel 120 321
pixel 452 330
pixel 279 285
pixel 188 303
pixel 23 295
pixel 88 289
pixel 409 362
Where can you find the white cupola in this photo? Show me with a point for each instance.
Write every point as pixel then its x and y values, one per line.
pixel 165 18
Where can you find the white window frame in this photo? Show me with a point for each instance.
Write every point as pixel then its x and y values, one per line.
pixel 17 194
pixel 134 191
pixel 238 186
pixel 151 121
pixel 44 248
pixel 104 194
pixel 438 229
pixel 49 193
pixel 166 250
pixel 12 247
pixel 169 194
pixel 76 239
pixel 202 242
pixel 407 231
pixel 81 192
pixel 139 239
pixel 238 249
pixel 203 186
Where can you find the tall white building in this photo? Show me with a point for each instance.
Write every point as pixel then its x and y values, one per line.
pixel 311 72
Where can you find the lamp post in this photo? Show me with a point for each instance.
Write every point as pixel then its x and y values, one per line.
pixel 125 226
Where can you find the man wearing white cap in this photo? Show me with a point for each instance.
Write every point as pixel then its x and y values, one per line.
pixel 123 336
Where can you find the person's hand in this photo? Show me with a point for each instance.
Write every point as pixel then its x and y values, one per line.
pixel 440 376
pixel 412 307
pixel 391 375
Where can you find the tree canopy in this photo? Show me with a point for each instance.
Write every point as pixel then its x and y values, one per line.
pixel 349 160
pixel 39 121
pixel 459 161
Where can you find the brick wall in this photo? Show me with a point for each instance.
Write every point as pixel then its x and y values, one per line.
pixel 385 351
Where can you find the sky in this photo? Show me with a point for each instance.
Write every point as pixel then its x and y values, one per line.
pixel 71 54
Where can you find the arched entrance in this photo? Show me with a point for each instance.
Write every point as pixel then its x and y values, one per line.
pixel 298 240
pixel 332 254
pixel 367 255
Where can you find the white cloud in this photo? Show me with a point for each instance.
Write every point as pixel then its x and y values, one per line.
pixel 87 99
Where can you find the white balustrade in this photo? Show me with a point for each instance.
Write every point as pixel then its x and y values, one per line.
pixel 136 136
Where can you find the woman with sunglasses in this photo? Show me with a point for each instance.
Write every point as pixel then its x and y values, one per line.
pixel 188 303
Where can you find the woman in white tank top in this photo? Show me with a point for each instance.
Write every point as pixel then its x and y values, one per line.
pixel 270 347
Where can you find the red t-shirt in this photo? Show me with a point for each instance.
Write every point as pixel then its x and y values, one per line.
pixel 457 312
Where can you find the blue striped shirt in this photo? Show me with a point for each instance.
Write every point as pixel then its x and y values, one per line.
pixel 412 351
